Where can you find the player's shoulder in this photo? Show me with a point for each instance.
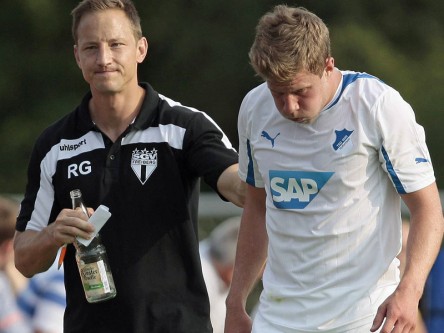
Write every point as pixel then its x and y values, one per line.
pixel 174 112
pixel 259 92
pixel 257 98
pixel 362 82
pixel 365 87
pixel 64 127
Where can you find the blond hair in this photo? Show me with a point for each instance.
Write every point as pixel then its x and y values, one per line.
pixel 289 40
pixel 88 6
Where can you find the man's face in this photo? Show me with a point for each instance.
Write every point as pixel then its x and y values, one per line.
pixel 107 52
pixel 302 99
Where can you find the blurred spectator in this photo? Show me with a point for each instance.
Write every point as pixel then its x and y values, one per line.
pixel 217 255
pixel 8 214
pixel 43 301
pixel 11 320
pixel 432 303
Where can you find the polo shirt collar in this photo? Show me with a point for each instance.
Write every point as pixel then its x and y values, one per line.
pixel 143 120
pixel 148 109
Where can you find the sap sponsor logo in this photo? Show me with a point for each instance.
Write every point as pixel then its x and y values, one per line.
pixel 296 189
pixel 67 147
pixel 75 170
pixel 343 139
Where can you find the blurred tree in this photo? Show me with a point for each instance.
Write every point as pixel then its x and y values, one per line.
pixel 198 55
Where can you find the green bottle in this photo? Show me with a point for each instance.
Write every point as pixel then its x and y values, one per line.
pixel 97 279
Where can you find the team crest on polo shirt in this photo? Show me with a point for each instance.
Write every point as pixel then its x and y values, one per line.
pixel 143 163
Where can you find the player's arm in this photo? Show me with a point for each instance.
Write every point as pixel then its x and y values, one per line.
pixel 251 255
pixel 231 187
pixel 35 251
pixel 423 243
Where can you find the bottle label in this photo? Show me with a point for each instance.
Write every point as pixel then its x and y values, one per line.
pixel 94 278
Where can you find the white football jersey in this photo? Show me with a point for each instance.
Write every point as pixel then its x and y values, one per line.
pixel 333 206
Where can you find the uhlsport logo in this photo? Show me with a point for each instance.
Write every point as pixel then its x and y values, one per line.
pixel 69 147
pixel 143 163
pixel 296 189
pixel 342 140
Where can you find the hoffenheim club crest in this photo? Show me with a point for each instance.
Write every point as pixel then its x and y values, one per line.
pixel 343 141
pixel 143 163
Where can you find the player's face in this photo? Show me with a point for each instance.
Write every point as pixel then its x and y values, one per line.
pixel 107 52
pixel 302 99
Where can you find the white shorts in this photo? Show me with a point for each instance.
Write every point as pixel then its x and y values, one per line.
pixel 260 325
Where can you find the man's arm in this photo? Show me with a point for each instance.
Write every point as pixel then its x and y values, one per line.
pixel 231 187
pixel 251 255
pixel 423 243
pixel 35 251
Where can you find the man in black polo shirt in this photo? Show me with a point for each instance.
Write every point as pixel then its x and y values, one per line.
pixel 140 154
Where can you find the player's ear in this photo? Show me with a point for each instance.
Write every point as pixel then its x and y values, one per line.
pixel 329 65
pixel 142 49
pixel 76 55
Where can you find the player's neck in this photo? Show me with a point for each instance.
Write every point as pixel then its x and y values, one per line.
pixel 334 82
pixel 113 113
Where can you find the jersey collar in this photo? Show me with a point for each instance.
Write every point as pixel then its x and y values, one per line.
pixel 143 120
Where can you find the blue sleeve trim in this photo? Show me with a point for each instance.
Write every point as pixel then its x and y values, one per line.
pixel 250 172
pixel 349 79
pixel 392 173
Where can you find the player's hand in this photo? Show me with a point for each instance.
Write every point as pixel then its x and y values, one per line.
pixel 237 321
pixel 70 224
pixel 400 311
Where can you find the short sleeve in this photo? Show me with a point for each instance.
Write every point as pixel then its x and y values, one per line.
pixel 248 169
pixel 404 154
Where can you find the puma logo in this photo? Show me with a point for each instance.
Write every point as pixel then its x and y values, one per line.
pixel 269 138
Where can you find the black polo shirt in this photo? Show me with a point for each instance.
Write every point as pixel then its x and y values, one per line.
pixel 149 179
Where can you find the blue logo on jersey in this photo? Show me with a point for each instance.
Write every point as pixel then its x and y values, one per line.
pixel 296 189
pixel 269 138
pixel 421 160
pixel 342 137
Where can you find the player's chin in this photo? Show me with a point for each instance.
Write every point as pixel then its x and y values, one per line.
pixel 301 120
pixel 106 87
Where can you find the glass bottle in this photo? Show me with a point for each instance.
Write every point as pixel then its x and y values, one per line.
pixel 92 262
